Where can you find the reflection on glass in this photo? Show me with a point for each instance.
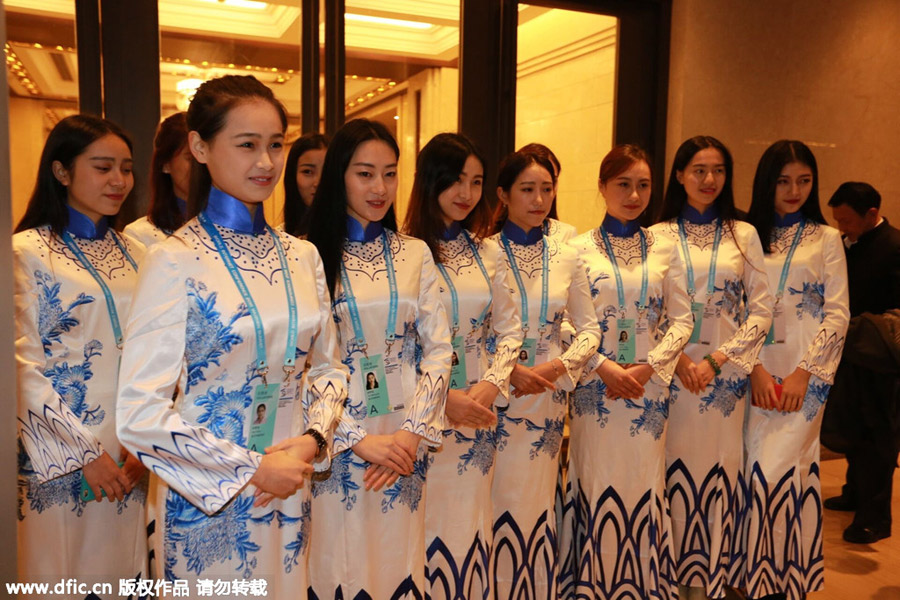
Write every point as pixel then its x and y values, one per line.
pixel 402 62
pixel 42 74
pixel 565 92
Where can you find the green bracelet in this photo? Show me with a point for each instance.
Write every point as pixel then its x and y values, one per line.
pixel 712 362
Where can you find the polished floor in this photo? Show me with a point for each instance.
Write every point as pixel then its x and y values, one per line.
pixel 854 571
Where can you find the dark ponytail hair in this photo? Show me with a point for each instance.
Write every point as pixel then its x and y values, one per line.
pixel 295 210
pixel 510 169
pixel 207 115
pixel 171 138
pixel 762 207
pixel 67 141
pixel 438 167
pixel 329 208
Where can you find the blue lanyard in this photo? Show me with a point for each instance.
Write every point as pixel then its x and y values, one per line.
pixel 642 305
pixel 262 365
pixel 389 332
pixel 711 283
pixel 545 267
pixel 787 261
pixel 110 302
pixel 454 298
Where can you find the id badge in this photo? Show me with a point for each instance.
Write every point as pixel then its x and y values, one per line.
pixel 625 348
pixel 87 494
pixel 528 352
pixel 777 333
pixel 710 322
pixel 697 312
pixel 287 400
pixel 458 379
pixel 473 356
pixel 263 413
pixel 381 382
pixel 641 341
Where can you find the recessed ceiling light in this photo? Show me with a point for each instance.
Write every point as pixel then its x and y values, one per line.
pixel 386 21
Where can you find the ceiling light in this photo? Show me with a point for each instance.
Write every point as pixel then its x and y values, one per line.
pixel 385 21
pixel 252 4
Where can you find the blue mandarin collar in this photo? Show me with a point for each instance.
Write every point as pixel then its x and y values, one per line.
pixel 788 219
pixel 356 232
pixel 81 226
pixel 451 232
pixel 522 237
pixel 227 211
pixel 613 226
pixel 692 215
pixel 182 206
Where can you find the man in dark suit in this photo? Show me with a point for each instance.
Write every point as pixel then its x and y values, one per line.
pixel 865 410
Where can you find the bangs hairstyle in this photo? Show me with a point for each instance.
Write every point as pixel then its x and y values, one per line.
pixel 510 169
pixel 676 196
pixel 295 210
pixel 329 208
pixel 66 142
pixel 762 207
pixel 171 139
pixel 207 115
pixel 542 150
pixel 438 167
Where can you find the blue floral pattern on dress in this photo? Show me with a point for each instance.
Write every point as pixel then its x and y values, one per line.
pixel 653 417
pixel 53 321
pixel 407 489
pixel 411 351
pixel 501 433
pixel 207 338
pixel 812 300
pixel 724 395
pixel 590 399
pixel 341 479
pixel 814 400
pixel 551 437
pixel 654 311
pixel 295 548
pixel 224 413
pixel 480 455
pixel 732 297
pixel 594 283
pixel 70 384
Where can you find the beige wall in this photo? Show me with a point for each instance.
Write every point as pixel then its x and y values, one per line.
pixel 826 72
pixel 564 100
pixel 27 133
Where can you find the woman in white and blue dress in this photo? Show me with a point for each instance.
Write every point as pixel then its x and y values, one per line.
pixel 549 279
pixel 724 265
pixel 368 535
pixel 170 180
pixel 807 271
pixel 619 540
pixel 81 494
pixel 447 211
pixel 226 314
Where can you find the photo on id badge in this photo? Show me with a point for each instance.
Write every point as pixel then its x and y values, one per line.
pixel 632 343
pixel 381 381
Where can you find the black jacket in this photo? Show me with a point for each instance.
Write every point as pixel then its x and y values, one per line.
pixel 873 269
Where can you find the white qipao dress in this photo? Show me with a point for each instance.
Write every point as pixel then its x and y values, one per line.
pixel 146 232
pixel 369 544
pixel 558 229
pixel 784 524
pixel 525 557
pixel 67 360
pixel 458 515
pixel 618 543
pixel 705 472
pixel 190 385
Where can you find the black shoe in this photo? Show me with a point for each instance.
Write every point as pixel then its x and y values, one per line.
pixel 856 534
pixel 842 503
